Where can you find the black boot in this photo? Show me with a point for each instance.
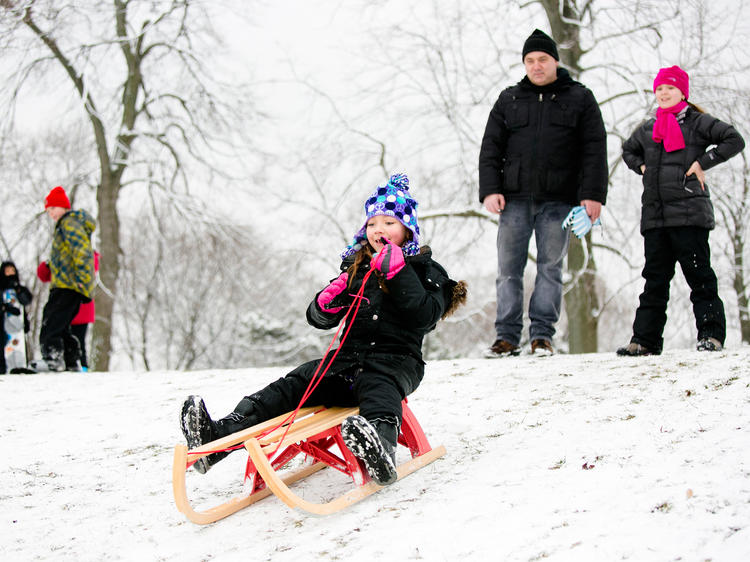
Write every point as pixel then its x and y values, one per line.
pixel 199 429
pixel 52 361
pixel 375 444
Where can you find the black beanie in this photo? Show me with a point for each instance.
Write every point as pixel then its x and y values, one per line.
pixel 540 41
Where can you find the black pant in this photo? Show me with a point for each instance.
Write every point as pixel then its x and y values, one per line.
pixel 378 394
pixel 55 335
pixel 663 247
pixel 79 331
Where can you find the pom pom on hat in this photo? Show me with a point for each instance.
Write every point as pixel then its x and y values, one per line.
pixel 540 41
pixel 57 198
pixel 674 76
pixel 392 199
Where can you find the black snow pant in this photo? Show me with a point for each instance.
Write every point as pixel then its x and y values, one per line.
pixel 79 331
pixel 377 391
pixel 55 338
pixel 663 248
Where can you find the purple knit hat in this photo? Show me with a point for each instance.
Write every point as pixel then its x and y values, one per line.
pixel 392 199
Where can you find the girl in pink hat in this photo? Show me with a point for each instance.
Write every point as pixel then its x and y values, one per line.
pixel 672 152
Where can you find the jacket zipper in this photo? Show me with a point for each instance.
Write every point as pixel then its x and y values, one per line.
pixel 540 111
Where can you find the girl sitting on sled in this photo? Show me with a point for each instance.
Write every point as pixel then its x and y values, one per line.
pixel 380 361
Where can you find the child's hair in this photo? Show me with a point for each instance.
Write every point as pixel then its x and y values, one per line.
pixel 364 252
pixel 697 108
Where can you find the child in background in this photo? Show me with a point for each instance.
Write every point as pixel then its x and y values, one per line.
pixel 78 326
pixel 671 152
pixel 9 280
pixel 380 362
pixel 71 267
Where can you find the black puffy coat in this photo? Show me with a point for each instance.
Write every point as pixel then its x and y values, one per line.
pixel 669 197
pixel 23 294
pixel 389 327
pixel 545 143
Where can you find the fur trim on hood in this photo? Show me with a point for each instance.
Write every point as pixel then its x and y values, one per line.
pixel 458 298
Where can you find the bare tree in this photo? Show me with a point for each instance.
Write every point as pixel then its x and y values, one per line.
pixel 730 186
pixel 197 293
pixel 25 230
pixel 139 72
pixel 443 62
pixel 735 215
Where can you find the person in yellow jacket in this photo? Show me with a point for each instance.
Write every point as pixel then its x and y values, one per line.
pixel 72 280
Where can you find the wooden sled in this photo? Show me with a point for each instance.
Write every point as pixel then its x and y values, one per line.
pixel 315 433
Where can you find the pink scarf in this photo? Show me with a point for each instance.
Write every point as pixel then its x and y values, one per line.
pixel 667 128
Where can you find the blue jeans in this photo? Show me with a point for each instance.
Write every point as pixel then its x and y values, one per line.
pixel 517 221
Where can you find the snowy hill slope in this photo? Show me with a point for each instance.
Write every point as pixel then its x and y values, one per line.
pixel 587 457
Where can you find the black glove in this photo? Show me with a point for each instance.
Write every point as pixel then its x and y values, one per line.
pixel 10 309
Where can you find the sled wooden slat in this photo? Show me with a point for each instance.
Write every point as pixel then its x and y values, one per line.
pixel 245 434
pixel 315 433
pixel 307 427
pixel 233 505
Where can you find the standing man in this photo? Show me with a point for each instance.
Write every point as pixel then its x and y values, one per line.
pixel 544 151
pixel 71 266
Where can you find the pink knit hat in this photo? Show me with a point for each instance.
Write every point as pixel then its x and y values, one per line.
pixel 674 76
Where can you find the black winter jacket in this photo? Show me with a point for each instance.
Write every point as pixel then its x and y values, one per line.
pixel 23 294
pixel 669 197
pixel 545 143
pixel 389 328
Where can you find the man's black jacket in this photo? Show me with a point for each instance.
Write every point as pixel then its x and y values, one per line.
pixel 545 143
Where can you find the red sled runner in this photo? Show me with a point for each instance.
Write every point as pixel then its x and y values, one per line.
pixel 271 445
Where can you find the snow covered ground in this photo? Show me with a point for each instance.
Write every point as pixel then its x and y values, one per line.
pixel 580 457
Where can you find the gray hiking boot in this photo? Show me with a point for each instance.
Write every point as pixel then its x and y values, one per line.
pixel 636 350
pixel 375 444
pixel 709 344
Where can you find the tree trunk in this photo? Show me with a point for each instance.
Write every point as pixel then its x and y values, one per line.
pixel 740 288
pixel 109 270
pixel 581 300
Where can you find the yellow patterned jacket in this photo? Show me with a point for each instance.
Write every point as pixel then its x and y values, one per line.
pixel 72 260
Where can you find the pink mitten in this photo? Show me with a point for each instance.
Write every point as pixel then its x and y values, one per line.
pixel 333 290
pixel 389 261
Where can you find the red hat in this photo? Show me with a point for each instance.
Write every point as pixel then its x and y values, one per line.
pixel 57 198
pixel 674 76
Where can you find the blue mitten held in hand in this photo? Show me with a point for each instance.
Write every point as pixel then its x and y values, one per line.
pixel 579 222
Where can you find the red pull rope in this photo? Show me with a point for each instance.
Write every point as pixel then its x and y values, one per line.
pixel 318 375
pixel 316 378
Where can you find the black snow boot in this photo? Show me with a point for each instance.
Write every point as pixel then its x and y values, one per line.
pixel 199 429
pixel 375 444
pixel 52 361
